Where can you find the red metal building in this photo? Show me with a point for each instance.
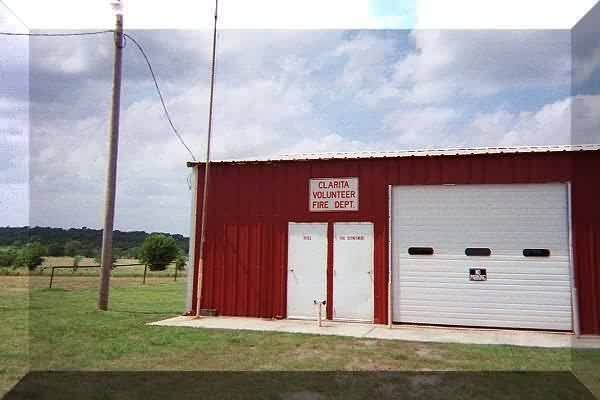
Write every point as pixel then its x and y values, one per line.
pixel 505 237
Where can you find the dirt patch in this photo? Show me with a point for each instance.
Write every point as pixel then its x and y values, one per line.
pixel 368 343
pixel 365 364
pixel 430 353
pixel 10 285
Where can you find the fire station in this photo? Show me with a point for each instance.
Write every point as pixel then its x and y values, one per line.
pixel 484 237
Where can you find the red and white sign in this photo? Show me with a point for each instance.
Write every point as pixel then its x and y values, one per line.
pixel 333 194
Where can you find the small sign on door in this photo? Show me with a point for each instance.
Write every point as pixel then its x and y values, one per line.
pixel 351 237
pixel 477 274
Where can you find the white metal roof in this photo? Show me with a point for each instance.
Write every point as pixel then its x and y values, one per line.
pixel 416 153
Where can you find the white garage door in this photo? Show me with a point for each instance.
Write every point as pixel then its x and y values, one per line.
pixel 524 282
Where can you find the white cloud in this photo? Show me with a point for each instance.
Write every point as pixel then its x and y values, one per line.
pixel 586 119
pixel 421 127
pixel 548 125
pixel 450 64
pixel 364 59
pixel 265 109
pixel 440 127
pixel 14 204
pixel 276 92
pixel 331 142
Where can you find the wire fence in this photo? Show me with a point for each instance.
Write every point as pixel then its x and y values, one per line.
pixel 75 268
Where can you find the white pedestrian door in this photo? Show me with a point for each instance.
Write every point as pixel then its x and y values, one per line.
pixel 307 268
pixel 353 271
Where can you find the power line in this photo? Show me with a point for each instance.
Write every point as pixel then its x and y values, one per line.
pixel 141 49
pixel 56 34
pixel 160 96
pixel 10 10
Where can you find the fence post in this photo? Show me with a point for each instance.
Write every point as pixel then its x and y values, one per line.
pixel 175 273
pixel 51 278
pixel 145 268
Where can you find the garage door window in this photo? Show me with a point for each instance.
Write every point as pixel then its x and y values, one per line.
pixel 420 251
pixel 478 251
pixel 536 253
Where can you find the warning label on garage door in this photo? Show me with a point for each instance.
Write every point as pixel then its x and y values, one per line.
pixel 333 194
pixel 477 274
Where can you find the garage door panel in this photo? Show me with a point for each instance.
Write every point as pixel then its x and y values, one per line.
pixel 454 264
pixel 513 299
pixel 479 294
pixel 493 231
pixel 508 318
pixel 503 314
pixel 483 288
pixel 547 274
pixel 532 272
pixel 546 324
pixel 442 304
pixel 460 284
pixel 520 292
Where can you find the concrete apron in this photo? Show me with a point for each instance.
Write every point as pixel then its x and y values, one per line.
pixel 397 332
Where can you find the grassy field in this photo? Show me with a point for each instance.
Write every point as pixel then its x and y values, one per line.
pixel 67 333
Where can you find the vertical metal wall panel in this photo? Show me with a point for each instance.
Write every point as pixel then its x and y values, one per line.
pixel 586 236
pixel 241 304
pixel 209 273
pixel 253 272
pixel 250 205
pixel 278 287
pixel 266 252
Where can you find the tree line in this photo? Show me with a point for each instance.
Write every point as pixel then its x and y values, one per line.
pixel 23 246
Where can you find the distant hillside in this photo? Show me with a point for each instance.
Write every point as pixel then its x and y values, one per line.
pixel 79 241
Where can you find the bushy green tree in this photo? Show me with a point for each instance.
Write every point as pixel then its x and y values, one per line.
pixel 133 252
pixel 30 256
pixel 72 248
pixel 8 257
pixel 180 261
pixel 89 252
pixel 158 251
pixel 56 250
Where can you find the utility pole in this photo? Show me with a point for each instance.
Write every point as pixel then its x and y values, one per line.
pixel 106 260
pixel 206 168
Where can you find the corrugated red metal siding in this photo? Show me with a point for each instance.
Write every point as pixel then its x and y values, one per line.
pixel 586 239
pixel 250 205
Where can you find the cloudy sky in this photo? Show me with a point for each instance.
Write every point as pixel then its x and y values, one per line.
pixel 277 91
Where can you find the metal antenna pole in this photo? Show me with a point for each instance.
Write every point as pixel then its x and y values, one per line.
pixel 111 176
pixel 206 168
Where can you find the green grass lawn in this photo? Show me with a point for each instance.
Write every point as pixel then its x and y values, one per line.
pixel 67 333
